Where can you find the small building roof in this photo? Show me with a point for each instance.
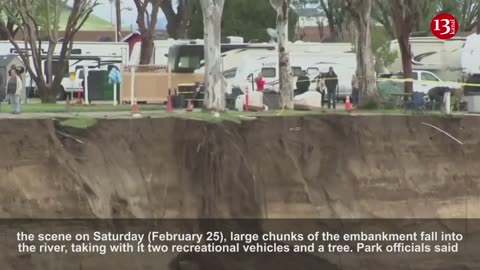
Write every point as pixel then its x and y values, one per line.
pixel 127 38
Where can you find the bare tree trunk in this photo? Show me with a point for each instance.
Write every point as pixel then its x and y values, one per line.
pixel 360 11
pixel 147 26
pixel 214 81
pixel 48 68
pixel 286 86
pixel 179 22
pixel 185 19
pixel 146 48
pixel 406 54
pixel 118 17
pixel 329 9
pixel 405 16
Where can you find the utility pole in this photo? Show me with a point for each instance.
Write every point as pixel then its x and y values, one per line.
pixel 118 20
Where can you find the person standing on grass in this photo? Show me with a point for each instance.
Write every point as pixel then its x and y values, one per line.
pixel 14 88
pixel 331 82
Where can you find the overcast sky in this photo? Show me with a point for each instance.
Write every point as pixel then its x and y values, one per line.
pixel 106 10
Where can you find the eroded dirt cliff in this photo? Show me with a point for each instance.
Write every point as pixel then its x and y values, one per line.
pixel 317 166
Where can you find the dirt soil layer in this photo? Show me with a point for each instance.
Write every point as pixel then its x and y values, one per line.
pixel 273 167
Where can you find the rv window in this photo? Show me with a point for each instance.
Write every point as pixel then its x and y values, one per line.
pixel 269 72
pixel 228 74
pixel 190 62
pixel 296 71
pixel 428 77
pixel 80 74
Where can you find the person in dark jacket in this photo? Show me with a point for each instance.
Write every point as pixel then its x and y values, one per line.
pixel 303 83
pixel 331 83
pixel 436 94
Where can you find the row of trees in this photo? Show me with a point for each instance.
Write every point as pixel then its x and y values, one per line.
pixel 466 11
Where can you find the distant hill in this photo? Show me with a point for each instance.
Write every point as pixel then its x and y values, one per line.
pixel 93 23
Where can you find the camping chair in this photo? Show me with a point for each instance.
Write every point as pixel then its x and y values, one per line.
pixel 418 101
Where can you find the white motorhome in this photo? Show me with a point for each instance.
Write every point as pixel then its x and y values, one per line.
pixel 442 57
pixel 344 65
pixel 470 57
pixel 453 60
pixel 232 59
pixel 97 55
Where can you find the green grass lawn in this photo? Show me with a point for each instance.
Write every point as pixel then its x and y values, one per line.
pixel 79 122
pixel 60 108
pixel 159 111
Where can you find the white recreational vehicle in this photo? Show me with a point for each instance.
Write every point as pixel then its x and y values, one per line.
pixel 449 59
pixel 470 58
pixel 96 55
pixel 344 64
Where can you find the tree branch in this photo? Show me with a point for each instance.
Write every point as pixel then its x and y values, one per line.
pixel 153 22
pixel 141 7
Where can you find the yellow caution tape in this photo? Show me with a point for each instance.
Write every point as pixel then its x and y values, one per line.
pixel 430 82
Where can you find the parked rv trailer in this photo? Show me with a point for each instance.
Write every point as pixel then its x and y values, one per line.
pixel 344 65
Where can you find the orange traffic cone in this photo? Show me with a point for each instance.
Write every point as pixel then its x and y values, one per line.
pixel 135 108
pixel 348 105
pixel 189 106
